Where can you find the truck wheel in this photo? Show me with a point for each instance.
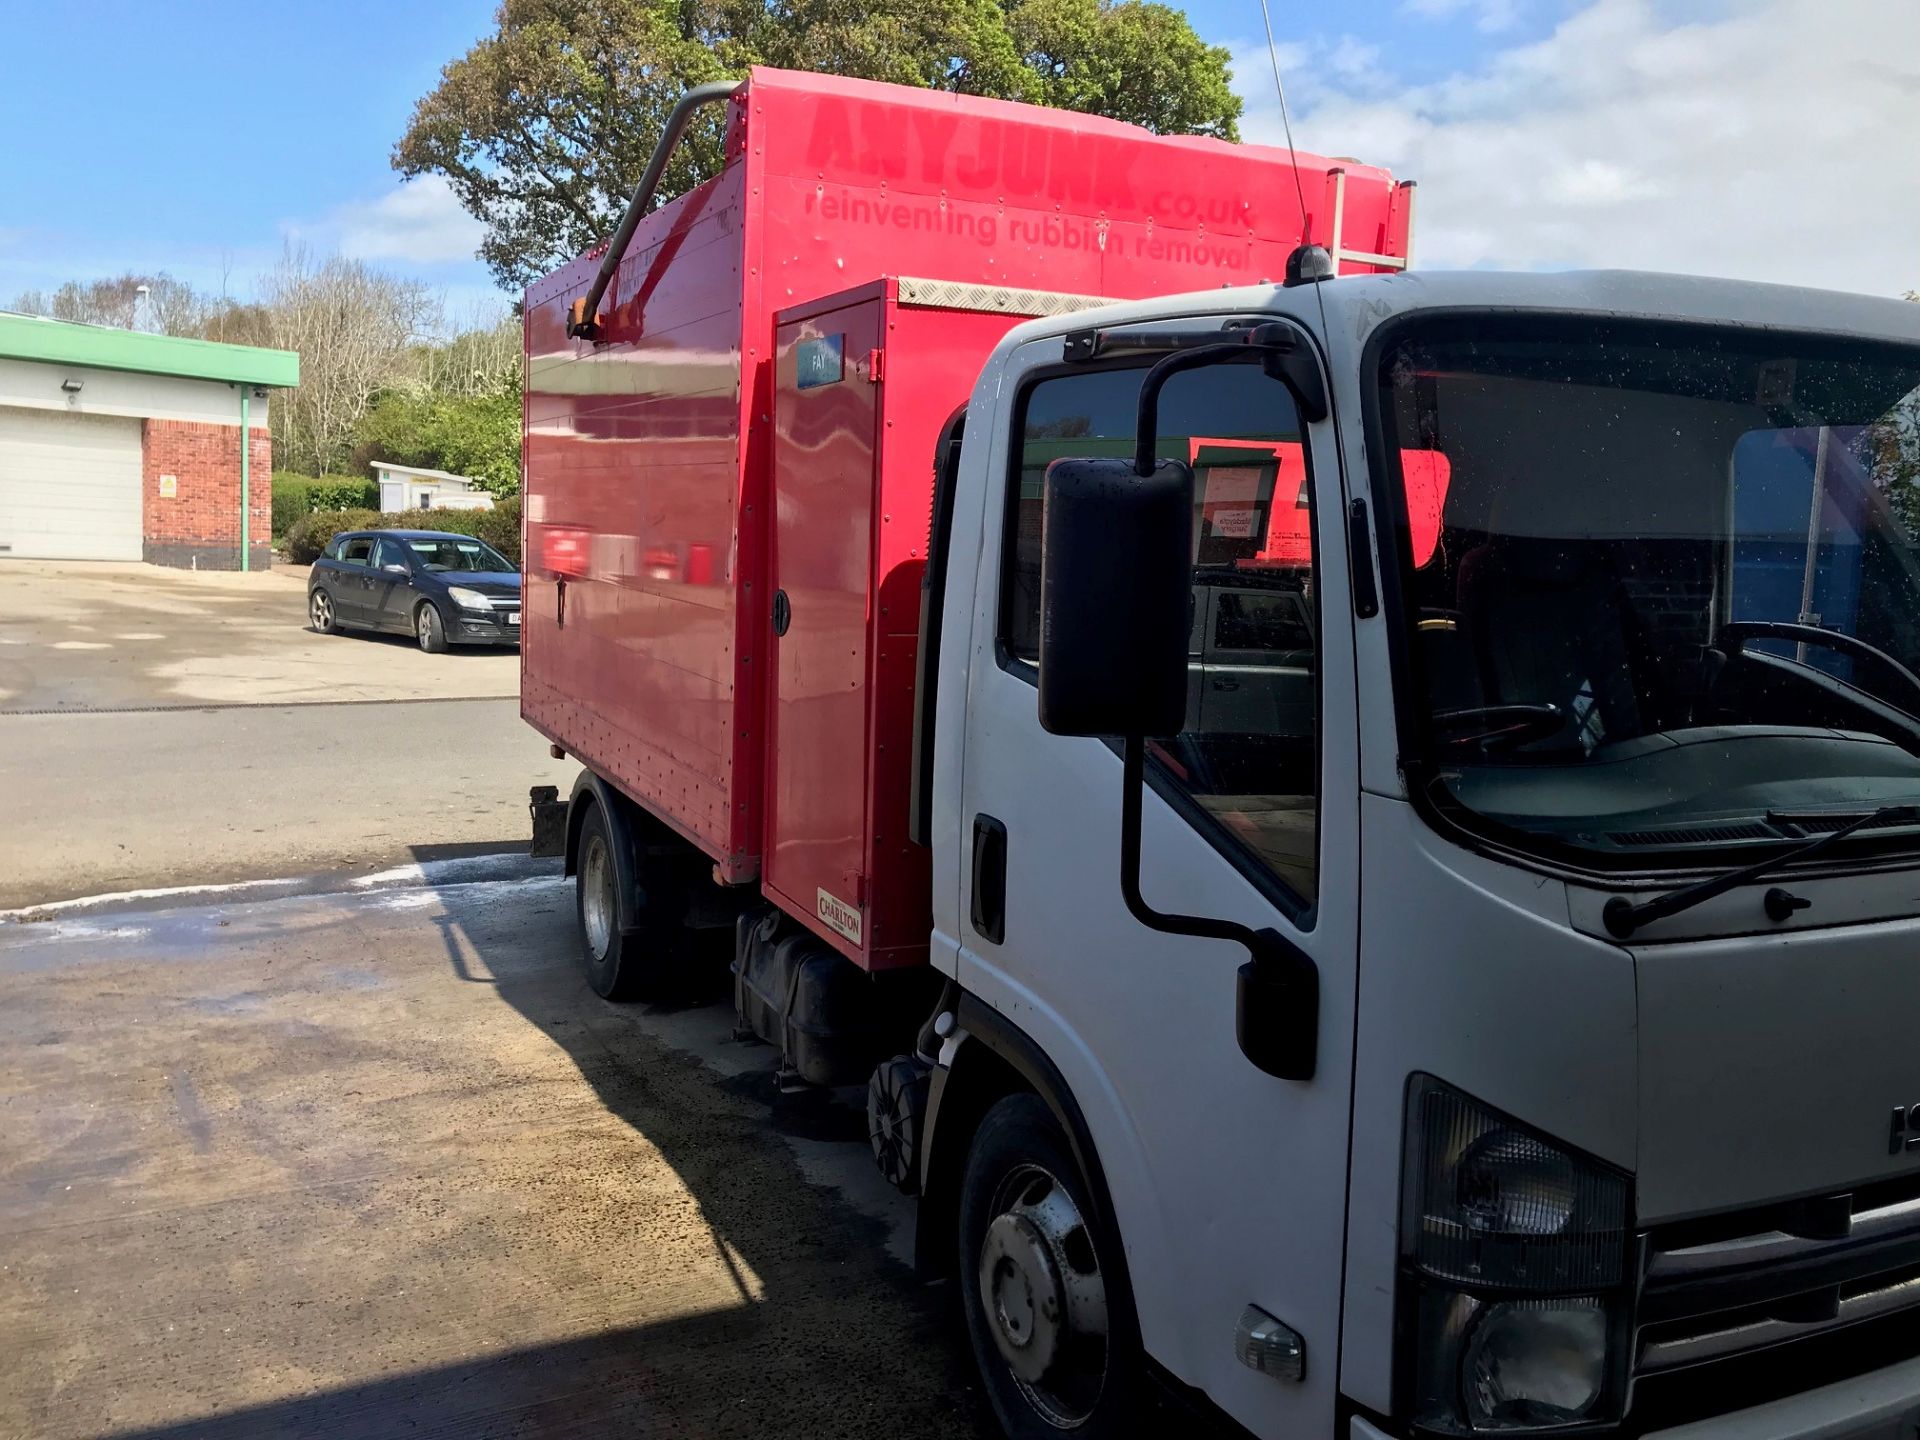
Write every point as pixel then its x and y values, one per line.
pixel 629 964
pixel 1050 1326
pixel 430 629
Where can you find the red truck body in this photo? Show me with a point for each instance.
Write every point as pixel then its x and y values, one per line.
pixel 759 414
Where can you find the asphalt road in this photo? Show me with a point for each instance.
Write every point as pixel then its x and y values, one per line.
pixel 126 801
pixel 161 728
pixel 378 1164
pixel 80 636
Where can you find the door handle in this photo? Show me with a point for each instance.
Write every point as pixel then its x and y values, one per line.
pixel 989 879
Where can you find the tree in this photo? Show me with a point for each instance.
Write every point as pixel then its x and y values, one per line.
pixel 543 128
pixel 1141 62
pixel 353 328
pixel 457 408
pixel 157 303
pixel 1893 451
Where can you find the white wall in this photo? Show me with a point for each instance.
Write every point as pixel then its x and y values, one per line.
pixel 35 384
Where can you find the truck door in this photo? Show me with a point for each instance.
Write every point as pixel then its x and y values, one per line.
pixel 826 456
pixel 1228 1185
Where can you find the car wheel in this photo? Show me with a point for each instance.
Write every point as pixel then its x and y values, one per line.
pixel 320 613
pixel 430 629
pixel 1047 1309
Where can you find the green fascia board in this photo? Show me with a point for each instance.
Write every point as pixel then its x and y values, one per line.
pixel 60 342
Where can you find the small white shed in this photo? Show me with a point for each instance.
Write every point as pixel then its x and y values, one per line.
pixel 410 487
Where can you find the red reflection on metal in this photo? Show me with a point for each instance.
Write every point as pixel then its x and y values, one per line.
pixel 1426 475
pixel 650 456
pixel 1289 540
pixel 563 552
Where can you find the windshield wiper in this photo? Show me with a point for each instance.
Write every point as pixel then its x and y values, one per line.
pixel 1622 916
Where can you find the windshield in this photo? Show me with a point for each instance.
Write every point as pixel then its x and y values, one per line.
pixel 434 552
pixel 1666 598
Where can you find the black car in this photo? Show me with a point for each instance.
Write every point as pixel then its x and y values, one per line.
pixel 440 588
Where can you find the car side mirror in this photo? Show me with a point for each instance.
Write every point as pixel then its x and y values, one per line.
pixel 394 569
pixel 1116 586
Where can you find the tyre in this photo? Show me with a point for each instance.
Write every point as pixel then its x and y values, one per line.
pixel 430 629
pixel 1051 1325
pixel 321 614
pixel 644 960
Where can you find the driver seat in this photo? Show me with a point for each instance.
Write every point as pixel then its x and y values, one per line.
pixel 1550 625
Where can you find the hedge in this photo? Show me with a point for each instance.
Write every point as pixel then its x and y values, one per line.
pixel 298 495
pixel 312 533
pixel 499 527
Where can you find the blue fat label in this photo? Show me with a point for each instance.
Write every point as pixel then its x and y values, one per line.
pixel 820 361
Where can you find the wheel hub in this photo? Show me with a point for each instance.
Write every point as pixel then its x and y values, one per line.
pixel 1025 1302
pixel 1038 1278
pixel 596 897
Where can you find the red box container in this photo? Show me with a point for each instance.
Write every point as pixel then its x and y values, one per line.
pixel 657 457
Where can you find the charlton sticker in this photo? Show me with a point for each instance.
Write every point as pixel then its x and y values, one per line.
pixel 838 915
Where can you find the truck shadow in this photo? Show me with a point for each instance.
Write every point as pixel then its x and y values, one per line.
pixel 820 1333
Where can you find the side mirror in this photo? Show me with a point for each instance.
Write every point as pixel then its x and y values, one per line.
pixel 394 568
pixel 1116 587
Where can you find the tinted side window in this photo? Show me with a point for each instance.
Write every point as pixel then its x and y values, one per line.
pixel 358 551
pixel 1260 620
pixel 1247 756
pixel 390 552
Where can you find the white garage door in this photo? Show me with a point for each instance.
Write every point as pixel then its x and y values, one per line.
pixel 69 486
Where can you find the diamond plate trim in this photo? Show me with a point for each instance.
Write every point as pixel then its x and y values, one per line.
pixel 995 299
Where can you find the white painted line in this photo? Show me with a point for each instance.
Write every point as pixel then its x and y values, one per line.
pixel 164 892
pixel 424 877
pixel 434 872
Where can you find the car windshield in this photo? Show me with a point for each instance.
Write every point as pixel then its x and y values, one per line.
pixel 1658 586
pixel 440 552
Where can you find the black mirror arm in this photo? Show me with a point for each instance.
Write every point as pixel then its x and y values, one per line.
pixel 1279 986
pixel 1146 431
pixel 1275 346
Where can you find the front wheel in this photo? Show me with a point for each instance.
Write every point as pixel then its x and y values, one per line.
pixel 1048 1313
pixel 320 612
pixel 430 629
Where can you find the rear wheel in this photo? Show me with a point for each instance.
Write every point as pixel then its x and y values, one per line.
pixel 430 629
pixel 647 958
pixel 320 613
pixel 1050 1322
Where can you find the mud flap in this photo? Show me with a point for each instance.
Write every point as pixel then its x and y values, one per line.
pixel 549 821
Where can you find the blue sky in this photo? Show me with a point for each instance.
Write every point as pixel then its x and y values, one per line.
pixel 1761 138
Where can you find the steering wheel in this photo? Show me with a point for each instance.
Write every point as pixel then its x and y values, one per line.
pixel 1498 727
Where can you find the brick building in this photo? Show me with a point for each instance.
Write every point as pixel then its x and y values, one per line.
pixel 118 445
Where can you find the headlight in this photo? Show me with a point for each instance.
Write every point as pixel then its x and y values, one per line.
pixel 1516 1256
pixel 468 599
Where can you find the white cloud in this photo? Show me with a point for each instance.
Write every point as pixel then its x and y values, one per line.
pixel 1779 141
pixel 418 221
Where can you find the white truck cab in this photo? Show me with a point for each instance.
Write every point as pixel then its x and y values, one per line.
pixel 1507 1027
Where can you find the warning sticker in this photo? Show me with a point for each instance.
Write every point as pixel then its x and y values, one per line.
pixel 1234 524
pixel 838 915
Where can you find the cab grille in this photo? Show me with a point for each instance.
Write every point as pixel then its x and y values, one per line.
pixel 1784 1281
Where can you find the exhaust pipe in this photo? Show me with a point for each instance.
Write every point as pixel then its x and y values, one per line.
pixel 583 321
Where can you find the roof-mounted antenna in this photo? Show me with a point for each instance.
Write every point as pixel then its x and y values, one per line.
pixel 1309 262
